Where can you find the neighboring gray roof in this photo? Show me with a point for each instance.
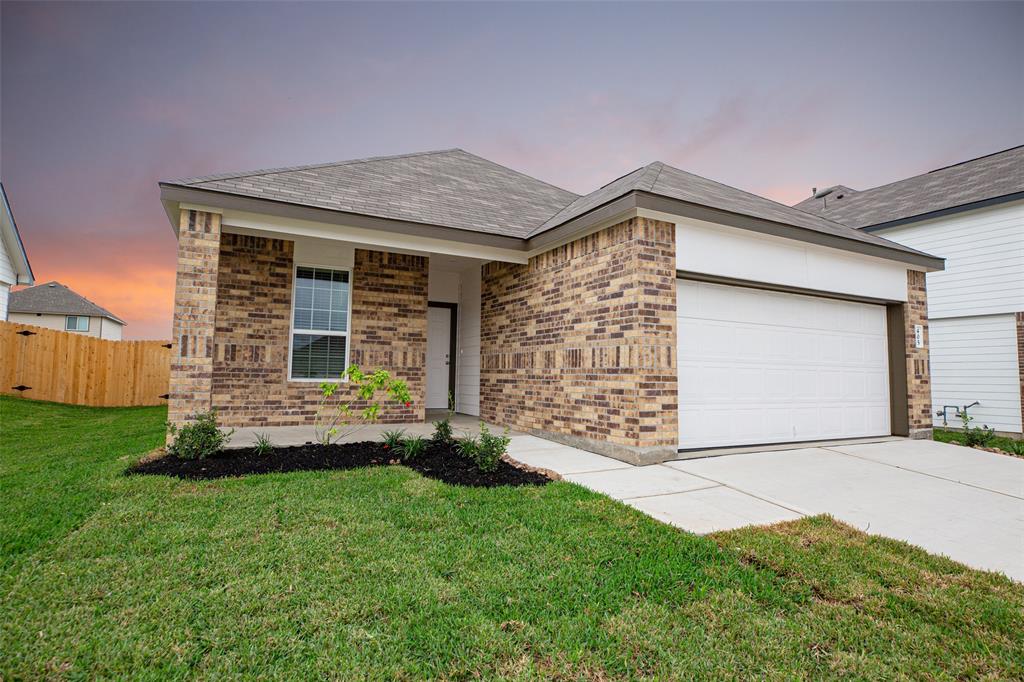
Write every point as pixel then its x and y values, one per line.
pixel 56 299
pixel 664 180
pixel 985 178
pixel 451 187
pixel 455 189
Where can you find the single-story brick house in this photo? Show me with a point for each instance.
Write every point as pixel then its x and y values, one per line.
pixel 662 313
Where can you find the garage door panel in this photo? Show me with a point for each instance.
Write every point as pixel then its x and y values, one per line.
pixel 805 384
pixel 778 383
pixel 761 367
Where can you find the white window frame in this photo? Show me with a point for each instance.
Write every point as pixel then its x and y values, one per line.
pixel 67 319
pixel 291 322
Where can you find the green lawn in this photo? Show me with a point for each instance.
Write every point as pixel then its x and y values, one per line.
pixel 957 437
pixel 383 574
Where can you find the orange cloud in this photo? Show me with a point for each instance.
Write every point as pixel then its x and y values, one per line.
pixel 131 276
pixel 142 296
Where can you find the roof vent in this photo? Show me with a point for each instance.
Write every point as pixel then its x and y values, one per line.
pixel 51 285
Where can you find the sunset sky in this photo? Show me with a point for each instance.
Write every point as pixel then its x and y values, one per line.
pixel 98 102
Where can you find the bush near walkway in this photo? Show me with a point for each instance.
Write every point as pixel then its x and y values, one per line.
pixel 380 573
pixel 1007 445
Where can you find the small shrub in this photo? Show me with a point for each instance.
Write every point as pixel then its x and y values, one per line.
pixel 263 445
pixel 413 448
pixel 443 432
pixel 199 438
pixel 486 450
pixel 393 440
pixel 335 417
pixel 467 447
pixel 1014 447
pixel 976 436
pixel 979 437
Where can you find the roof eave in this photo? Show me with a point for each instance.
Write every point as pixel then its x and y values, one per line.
pixel 23 268
pixel 961 208
pixel 106 316
pixel 175 195
pixel 629 200
pixel 639 199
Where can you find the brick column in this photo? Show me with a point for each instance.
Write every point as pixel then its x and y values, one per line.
pixel 195 304
pixel 919 385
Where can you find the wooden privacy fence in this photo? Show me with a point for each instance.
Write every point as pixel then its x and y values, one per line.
pixel 47 364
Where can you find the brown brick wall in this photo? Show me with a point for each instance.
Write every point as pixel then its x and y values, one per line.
pixel 580 342
pixel 919 385
pixel 195 294
pixel 250 385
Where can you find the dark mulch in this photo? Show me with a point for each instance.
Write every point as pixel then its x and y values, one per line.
pixel 440 462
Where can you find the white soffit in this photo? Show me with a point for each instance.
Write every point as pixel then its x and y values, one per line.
pixel 243 222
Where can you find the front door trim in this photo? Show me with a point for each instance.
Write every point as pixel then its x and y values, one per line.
pixel 453 345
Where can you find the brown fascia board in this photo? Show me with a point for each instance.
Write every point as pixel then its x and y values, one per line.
pixel 632 200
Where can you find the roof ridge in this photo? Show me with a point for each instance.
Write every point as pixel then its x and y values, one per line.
pixel 104 312
pixel 517 172
pixel 638 185
pixel 761 197
pixel 233 175
pixel 537 229
pixel 976 158
pixel 942 168
pixel 661 167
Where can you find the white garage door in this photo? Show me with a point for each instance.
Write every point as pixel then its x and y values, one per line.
pixel 766 367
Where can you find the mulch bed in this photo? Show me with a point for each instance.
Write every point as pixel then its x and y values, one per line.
pixel 440 462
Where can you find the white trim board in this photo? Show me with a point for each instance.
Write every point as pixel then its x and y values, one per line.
pixel 729 252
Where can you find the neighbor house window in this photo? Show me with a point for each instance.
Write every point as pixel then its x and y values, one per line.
pixel 320 317
pixel 77 323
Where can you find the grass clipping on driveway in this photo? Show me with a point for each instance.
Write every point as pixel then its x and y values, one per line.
pixel 381 573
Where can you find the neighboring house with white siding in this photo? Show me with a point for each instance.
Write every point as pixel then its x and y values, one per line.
pixel 54 306
pixel 971 214
pixel 14 266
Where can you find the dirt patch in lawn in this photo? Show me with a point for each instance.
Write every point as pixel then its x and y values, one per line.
pixel 440 462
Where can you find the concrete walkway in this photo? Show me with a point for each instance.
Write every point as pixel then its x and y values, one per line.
pixel 691 502
pixel 964 503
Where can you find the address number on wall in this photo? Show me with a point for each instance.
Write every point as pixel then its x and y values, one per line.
pixel 918 336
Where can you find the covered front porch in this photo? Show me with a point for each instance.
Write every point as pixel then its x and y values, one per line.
pixel 267 310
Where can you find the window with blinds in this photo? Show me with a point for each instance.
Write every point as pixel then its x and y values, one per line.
pixel 320 323
pixel 76 323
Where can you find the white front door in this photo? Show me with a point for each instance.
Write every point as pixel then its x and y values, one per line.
pixel 439 339
pixel 767 367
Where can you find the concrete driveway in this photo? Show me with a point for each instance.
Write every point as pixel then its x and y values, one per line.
pixel 964 503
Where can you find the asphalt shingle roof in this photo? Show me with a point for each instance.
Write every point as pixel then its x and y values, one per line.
pixel 454 188
pixel 664 180
pixel 57 299
pixel 987 177
pixel 451 187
